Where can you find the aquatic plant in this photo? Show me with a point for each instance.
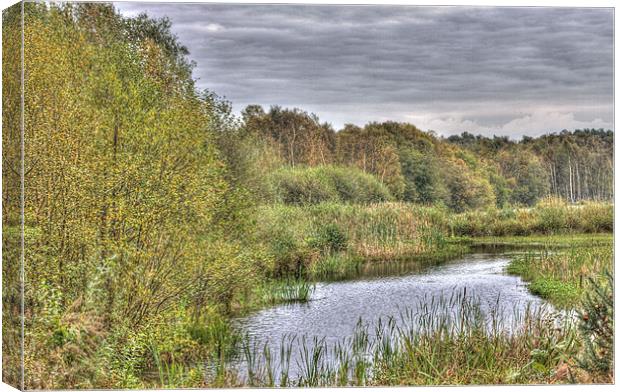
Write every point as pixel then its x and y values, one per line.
pixel 563 275
pixel 288 291
pixel 448 340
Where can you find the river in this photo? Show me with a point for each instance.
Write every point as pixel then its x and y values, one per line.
pixel 336 308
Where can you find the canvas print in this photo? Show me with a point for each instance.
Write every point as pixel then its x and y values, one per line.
pixel 202 195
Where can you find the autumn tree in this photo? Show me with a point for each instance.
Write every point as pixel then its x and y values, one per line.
pixel 302 139
pixel 128 207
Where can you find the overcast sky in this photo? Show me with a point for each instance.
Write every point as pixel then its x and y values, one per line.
pixel 504 71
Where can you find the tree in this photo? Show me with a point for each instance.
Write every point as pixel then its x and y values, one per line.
pixel 301 138
pixel 126 189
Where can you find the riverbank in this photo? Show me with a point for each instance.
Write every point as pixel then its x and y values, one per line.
pixel 298 245
pixel 335 242
pixel 538 353
pixel 336 239
pixel 562 272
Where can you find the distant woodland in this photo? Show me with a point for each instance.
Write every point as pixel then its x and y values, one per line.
pixel 462 172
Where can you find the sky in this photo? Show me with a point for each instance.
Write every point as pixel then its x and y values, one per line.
pixel 506 71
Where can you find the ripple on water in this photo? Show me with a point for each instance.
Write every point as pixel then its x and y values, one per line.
pixel 335 308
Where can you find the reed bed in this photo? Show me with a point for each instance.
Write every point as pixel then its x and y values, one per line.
pixel 338 233
pixel 288 291
pixel 562 276
pixel 448 341
pixel 549 216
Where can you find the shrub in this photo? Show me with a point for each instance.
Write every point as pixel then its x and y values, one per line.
pixel 596 217
pixel 312 185
pixel 551 216
pixel 229 270
pixel 329 238
pixel 597 329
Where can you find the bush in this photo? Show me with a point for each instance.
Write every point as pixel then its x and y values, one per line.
pixel 552 216
pixel 229 270
pixel 596 217
pixel 597 330
pixel 312 185
pixel 283 230
pixel 329 238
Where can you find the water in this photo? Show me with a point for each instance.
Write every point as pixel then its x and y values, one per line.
pixel 336 308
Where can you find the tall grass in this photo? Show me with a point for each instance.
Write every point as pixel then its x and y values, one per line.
pixel 337 267
pixel 332 238
pixel 174 374
pixel 300 236
pixel 549 216
pixel 562 276
pixel 288 291
pixel 450 341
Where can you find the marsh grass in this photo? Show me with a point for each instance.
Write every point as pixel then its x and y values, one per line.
pixel 548 216
pixel 287 291
pixel 337 266
pixel 298 235
pixel 174 374
pixel 562 276
pixel 540 242
pixel 337 239
pixel 448 340
pixel 274 292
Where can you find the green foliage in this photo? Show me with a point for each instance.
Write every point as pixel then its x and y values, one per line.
pixel 336 267
pixel 325 183
pixel 562 276
pixel 549 216
pixel 287 291
pixel 528 175
pixel 299 236
pixel 550 288
pixel 329 238
pixel 467 189
pixel 423 179
pixel 300 138
pixel 463 172
pixel 230 270
pixel 597 330
pixel 154 214
pixel 572 166
pixel 131 208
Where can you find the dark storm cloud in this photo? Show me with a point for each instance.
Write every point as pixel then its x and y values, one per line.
pixel 490 70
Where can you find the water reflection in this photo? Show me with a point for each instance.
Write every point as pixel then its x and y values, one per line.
pixel 401 296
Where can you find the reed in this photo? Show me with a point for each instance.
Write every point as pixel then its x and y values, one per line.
pixel 174 374
pixel 562 275
pixel 449 341
pixel 287 291
pixel 333 238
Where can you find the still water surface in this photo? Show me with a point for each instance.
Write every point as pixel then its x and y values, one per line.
pixel 336 307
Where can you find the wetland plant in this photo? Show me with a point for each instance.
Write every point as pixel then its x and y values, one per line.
pixel 446 340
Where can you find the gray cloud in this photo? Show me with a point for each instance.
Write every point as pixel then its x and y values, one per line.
pixel 510 71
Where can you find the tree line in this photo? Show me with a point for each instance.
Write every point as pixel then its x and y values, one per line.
pixel 462 172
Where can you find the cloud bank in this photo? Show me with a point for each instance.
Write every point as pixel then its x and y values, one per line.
pixel 509 71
